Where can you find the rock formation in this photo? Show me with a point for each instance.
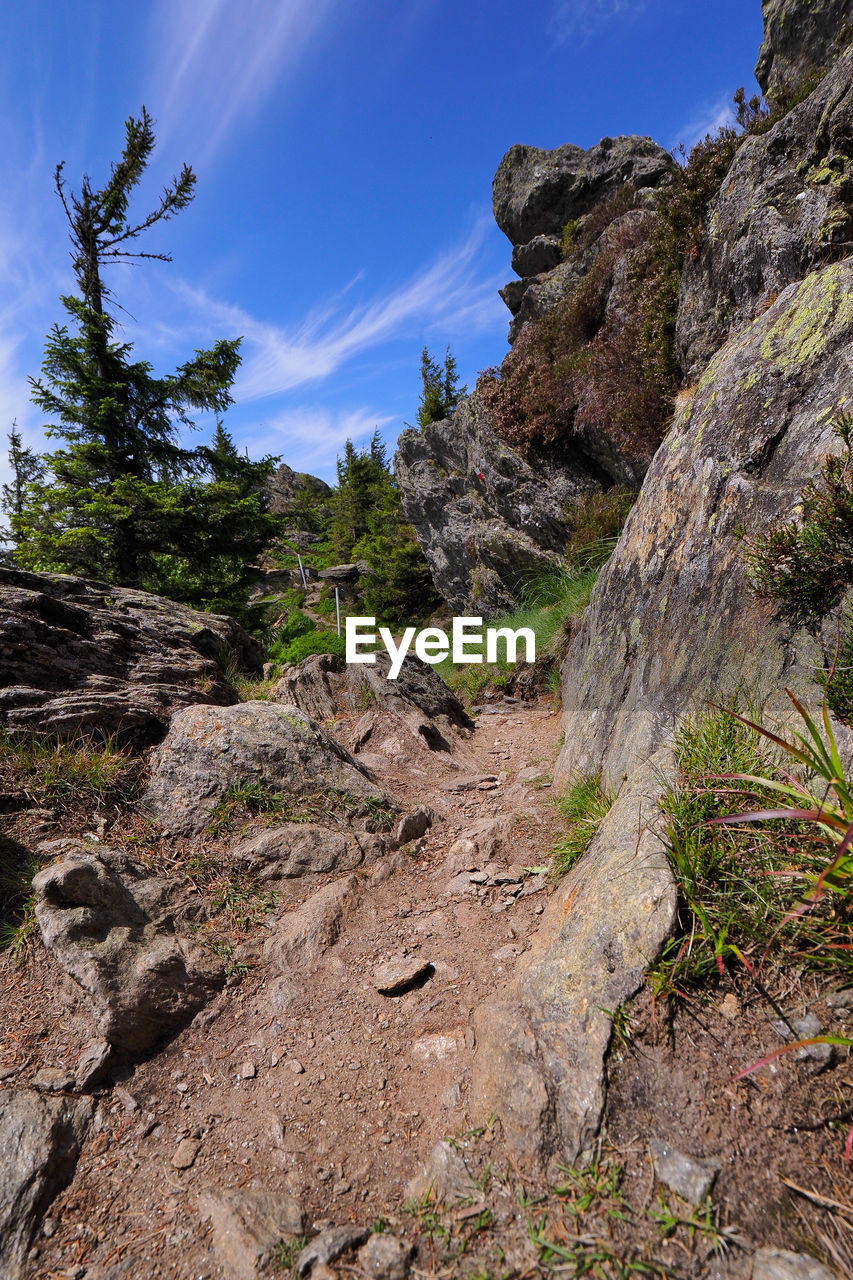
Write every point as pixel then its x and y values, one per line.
pixel 78 655
pixel 800 39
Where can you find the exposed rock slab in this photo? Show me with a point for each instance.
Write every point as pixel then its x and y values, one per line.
pixel 800 36
pixel 541 1043
pixel 208 749
pixel 330 1244
pixel 76 655
pixel 40 1140
pixel 784 208
pixel 111 927
pixel 485 517
pixel 298 849
pixel 536 192
pixel 735 460
pixel 247 1225
pixel 303 936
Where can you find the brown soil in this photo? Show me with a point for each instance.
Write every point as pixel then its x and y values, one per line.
pixel 339 1095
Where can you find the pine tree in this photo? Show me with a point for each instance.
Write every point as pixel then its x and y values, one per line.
pixel 125 501
pixel 440 391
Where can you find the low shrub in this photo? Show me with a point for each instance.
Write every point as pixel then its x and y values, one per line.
pixel 314 642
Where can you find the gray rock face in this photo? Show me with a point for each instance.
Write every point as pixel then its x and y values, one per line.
pixel 111 927
pixel 542 253
pixel 783 1264
pixel 40 1140
pixel 76 655
pixel 735 460
pixel 784 208
pixel 800 36
pixel 303 936
pixel 485 518
pixel 208 749
pixel 536 192
pixel 541 1042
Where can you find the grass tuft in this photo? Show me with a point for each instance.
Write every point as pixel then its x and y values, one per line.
pixel 583 806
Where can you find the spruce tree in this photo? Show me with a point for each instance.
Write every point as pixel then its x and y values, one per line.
pixel 26 467
pixel 440 390
pixel 124 501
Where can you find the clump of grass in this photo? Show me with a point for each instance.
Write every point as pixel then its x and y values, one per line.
pixel 745 864
pixel 66 774
pixel 583 807
pixel 805 565
pixel 17 902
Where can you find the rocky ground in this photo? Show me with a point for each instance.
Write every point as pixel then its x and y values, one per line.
pixel 325 1094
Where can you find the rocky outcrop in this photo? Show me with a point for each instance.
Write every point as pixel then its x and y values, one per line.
pixel 297 849
pixel 785 207
pixel 207 750
pixel 40 1140
pixel 541 1041
pixel 536 192
pixel 417 703
pixel 735 460
pixel 289 490
pixel 800 37
pixel 485 517
pixel 112 927
pixel 77 655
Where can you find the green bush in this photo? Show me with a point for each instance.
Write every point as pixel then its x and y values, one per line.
pixel 315 642
pixel 296 624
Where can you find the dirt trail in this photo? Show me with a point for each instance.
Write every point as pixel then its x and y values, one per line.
pixel 338 1095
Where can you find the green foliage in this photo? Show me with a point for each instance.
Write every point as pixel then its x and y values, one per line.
pixel 805 565
pixel 17 916
pixel 582 807
pixel 295 624
pixel 745 864
pixel 123 501
pixel 595 520
pixel 81 773
pixel 26 467
pixel 440 390
pixel 368 524
pixel 314 642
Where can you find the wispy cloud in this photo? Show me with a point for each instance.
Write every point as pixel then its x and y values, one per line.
pixel 308 437
pixel 215 61
pixel 579 19
pixel 277 359
pixel 709 118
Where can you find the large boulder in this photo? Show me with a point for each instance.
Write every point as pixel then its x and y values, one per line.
pixel 40 1140
pixel 290 490
pixel 784 207
pixel 673 622
pixel 542 1040
pixel 112 927
pixel 486 518
pixel 536 192
pixel 208 749
pixel 800 37
pixel 78 655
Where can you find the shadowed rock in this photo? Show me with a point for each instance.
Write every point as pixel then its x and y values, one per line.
pixel 40 1140
pixel 111 927
pixel 800 36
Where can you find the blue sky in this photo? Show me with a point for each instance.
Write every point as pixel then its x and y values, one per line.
pixel 344 155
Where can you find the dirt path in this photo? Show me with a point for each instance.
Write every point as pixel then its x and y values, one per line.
pixel 338 1095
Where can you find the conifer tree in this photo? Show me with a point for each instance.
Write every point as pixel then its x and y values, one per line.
pixel 26 467
pixel 124 501
pixel 440 391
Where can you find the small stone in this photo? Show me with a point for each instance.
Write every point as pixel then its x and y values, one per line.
pixel 49 1227
pixel 534 884
pixel 806 1028
pixel 841 999
pixel 92 1064
pixel 398 974
pixel 53 1079
pixel 183 1087
pixel 478 877
pixel 530 774
pixel 688 1176
pixel 385 1257
pixel 505 953
pixel 781 1264
pixel 247 1071
pixel 327 1246
pixel 489 785
pixel 126 1099
pixel 247 1226
pixel 185 1153
pixel 413 826
pixel 445 1176
pixel 294 1065
pixel 730 1007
